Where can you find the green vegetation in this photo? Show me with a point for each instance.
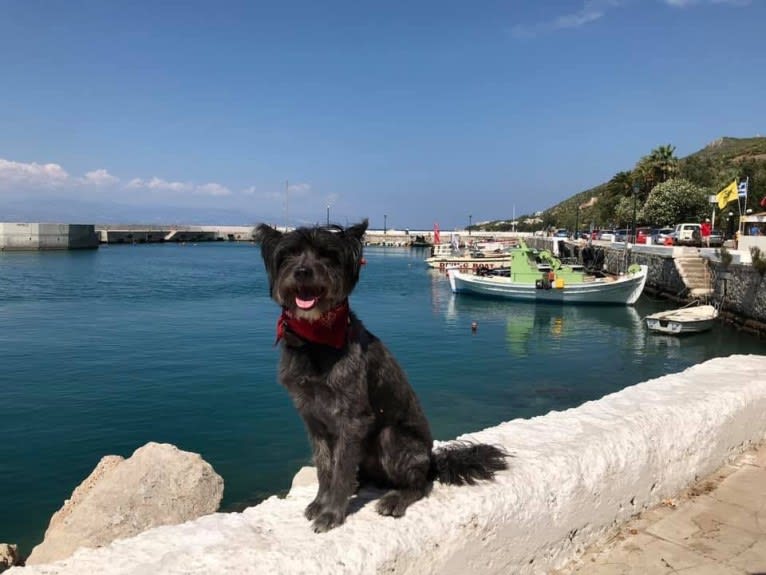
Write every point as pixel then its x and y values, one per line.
pixel 661 189
pixel 759 260
pixel 725 256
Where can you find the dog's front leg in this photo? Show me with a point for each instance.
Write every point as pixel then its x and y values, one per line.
pixel 323 462
pixel 346 455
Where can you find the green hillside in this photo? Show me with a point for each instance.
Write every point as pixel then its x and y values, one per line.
pixel 659 178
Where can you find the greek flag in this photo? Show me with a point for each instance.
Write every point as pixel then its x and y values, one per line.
pixel 742 189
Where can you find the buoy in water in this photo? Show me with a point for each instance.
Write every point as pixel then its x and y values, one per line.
pixel 474 326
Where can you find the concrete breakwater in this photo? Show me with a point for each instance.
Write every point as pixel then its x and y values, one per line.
pixel 574 477
pixel 149 234
pixel 33 236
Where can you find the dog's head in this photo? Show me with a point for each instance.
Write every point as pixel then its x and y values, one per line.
pixel 311 270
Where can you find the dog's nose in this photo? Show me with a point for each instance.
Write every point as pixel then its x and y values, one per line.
pixel 302 273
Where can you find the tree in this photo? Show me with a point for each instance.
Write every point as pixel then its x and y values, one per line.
pixel 659 166
pixel 617 188
pixel 676 200
pixel 623 212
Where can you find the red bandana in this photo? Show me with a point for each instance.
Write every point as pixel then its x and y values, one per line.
pixel 330 329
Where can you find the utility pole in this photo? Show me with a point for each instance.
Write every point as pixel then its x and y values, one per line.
pixel 287 203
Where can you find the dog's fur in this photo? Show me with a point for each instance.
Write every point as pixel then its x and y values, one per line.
pixel 363 418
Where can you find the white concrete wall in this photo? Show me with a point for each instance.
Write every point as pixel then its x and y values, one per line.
pixel 35 236
pixel 575 474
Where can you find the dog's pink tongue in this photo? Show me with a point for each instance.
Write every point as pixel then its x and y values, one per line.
pixel 305 303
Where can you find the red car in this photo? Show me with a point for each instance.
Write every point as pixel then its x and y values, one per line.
pixel 643 235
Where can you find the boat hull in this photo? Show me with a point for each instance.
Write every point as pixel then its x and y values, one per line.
pixel 682 321
pixel 444 263
pixel 624 290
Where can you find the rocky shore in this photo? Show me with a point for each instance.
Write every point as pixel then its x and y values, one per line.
pixel 158 485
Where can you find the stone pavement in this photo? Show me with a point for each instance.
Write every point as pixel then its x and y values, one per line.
pixel 717 527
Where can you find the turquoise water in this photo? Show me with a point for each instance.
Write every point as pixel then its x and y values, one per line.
pixel 102 351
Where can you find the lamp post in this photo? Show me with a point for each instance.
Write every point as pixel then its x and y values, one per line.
pixel 328 215
pixel 385 217
pixel 577 223
pixel 469 223
pixel 635 196
pixel 730 225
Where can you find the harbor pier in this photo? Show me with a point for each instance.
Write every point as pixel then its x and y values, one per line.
pixel 25 236
pixel 150 234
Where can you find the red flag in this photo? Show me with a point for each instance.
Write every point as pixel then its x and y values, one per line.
pixel 437 237
pixel 763 202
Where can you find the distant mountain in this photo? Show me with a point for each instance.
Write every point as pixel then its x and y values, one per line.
pixel 710 167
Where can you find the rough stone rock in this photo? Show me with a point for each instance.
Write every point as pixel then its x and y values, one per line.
pixel 305 477
pixel 9 556
pixel 158 485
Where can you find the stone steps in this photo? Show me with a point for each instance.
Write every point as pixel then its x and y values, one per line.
pixel 695 274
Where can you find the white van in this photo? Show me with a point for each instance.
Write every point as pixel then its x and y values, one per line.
pixel 687 234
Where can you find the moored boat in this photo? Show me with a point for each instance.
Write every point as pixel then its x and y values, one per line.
pixel 452 256
pixel 683 320
pixel 541 277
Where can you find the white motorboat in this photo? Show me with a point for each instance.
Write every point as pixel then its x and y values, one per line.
pixel 541 277
pixel 683 320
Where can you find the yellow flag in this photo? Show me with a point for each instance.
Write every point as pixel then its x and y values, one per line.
pixel 728 194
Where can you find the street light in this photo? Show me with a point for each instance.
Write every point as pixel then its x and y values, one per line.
pixel 577 223
pixel 469 223
pixel 385 217
pixel 635 196
pixel 328 215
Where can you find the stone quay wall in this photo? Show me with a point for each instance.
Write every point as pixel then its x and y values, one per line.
pixel 35 236
pixel 739 289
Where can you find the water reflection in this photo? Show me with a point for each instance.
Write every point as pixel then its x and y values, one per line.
pixel 529 325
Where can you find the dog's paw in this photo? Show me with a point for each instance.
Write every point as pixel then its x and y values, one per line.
pixel 313 509
pixel 328 520
pixel 392 504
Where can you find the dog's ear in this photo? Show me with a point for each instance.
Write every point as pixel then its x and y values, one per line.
pixel 268 237
pixel 357 230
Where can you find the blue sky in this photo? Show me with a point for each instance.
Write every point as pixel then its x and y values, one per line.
pixel 200 112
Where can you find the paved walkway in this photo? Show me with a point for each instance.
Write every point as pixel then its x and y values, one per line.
pixel 718 527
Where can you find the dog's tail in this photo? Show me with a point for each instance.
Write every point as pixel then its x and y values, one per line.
pixel 465 462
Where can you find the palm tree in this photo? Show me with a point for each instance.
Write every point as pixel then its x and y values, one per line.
pixel 659 166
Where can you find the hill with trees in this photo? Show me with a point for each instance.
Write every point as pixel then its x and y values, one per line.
pixel 660 190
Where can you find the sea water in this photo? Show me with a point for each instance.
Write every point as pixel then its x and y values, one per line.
pixel 102 351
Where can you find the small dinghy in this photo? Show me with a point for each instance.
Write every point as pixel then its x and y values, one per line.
pixel 683 320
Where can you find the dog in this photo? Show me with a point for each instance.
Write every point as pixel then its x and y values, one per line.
pixel 363 418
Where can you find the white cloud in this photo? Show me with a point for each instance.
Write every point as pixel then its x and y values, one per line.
pixel 159 185
pixel 590 11
pixel 249 191
pixel 31 174
pixel 212 189
pixel 684 3
pixel 299 189
pixel 99 177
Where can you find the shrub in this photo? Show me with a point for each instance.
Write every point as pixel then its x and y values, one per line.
pixel 725 256
pixel 759 260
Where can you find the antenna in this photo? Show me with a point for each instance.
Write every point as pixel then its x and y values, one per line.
pixel 287 203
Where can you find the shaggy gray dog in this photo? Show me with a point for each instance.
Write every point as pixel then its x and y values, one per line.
pixel 363 418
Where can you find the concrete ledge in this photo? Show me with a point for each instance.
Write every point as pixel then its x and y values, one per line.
pixel 575 474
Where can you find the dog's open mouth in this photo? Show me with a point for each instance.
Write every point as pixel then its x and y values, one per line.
pixel 306 299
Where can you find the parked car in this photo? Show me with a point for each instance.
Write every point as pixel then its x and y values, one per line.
pixel 687 234
pixel 561 233
pixel 716 238
pixel 662 234
pixel 606 235
pixel 644 235
pixel 621 235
